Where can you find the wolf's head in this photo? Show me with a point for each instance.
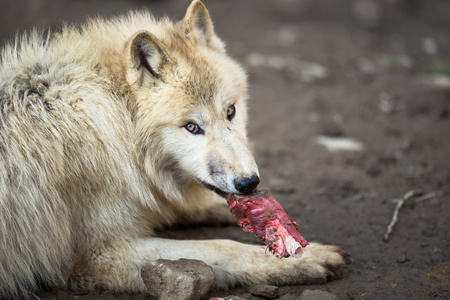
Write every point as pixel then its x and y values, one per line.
pixel 190 108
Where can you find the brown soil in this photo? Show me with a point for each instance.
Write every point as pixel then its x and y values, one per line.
pixel 382 59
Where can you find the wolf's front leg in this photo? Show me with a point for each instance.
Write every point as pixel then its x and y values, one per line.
pixel 118 268
pixel 235 263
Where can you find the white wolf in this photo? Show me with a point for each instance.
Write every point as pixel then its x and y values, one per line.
pixel 117 127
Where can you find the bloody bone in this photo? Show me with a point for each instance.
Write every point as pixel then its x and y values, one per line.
pixel 262 215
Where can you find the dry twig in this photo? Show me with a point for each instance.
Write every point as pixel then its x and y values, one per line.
pixel 401 202
pixel 429 196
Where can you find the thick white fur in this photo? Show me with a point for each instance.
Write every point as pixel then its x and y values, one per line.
pixel 94 156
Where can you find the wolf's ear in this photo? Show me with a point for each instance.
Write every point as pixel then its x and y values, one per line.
pixel 145 57
pixel 199 27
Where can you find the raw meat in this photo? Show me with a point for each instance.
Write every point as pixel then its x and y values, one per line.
pixel 262 215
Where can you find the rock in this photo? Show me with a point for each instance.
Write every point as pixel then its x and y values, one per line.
pixel 368 13
pixel 430 46
pixel 366 65
pixel 334 144
pixel 317 295
pixel 184 279
pixel 289 297
pixel 402 259
pixel 287 36
pixel 266 291
pixel 227 298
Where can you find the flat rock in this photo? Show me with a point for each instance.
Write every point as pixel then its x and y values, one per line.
pixel 228 298
pixel 289 297
pixel 317 295
pixel 183 279
pixel 266 291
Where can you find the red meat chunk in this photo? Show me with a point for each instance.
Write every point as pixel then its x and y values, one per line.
pixel 262 215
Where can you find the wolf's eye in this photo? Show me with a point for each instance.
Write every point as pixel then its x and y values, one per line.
pixel 193 128
pixel 231 111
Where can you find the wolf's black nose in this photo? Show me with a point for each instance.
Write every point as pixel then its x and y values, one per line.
pixel 246 185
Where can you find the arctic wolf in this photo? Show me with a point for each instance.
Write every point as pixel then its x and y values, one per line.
pixel 115 128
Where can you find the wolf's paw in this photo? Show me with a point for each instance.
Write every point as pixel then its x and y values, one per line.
pixel 326 262
pixel 318 264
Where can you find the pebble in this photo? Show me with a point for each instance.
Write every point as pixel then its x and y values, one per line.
pixel 183 279
pixel 289 297
pixel 368 13
pixel 430 46
pixel 266 291
pixel 402 259
pixel 317 295
pixel 228 298
pixel 334 144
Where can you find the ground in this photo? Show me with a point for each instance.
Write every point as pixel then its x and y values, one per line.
pixel 377 72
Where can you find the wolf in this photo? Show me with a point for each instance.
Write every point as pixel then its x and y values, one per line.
pixel 112 129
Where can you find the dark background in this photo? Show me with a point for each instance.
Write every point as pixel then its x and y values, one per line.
pixel 374 71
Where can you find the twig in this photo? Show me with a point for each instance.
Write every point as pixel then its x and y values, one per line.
pixel 429 196
pixel 401 202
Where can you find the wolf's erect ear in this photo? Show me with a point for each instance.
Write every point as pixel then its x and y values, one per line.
pixel 199 27
pixel 145 58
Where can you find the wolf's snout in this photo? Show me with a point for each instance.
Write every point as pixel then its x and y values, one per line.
pixel 246 185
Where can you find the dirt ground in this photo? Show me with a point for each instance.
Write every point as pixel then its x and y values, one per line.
pixel 375 72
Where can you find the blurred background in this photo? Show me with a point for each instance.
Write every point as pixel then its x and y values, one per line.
pixel 349 110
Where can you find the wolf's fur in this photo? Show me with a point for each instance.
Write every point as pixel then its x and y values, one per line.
pixel 94 155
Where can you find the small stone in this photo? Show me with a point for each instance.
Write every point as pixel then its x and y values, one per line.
pixel 183 279
pixel 334 144
pixel 366 65
pixel 289 297
pixel 317 295
pixel 266 291
pixel 287 36
pixel 368 13
pixel 430 46
pixel 402 259
pixel 228 298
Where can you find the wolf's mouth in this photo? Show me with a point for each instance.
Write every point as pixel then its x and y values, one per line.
pixel 214 189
